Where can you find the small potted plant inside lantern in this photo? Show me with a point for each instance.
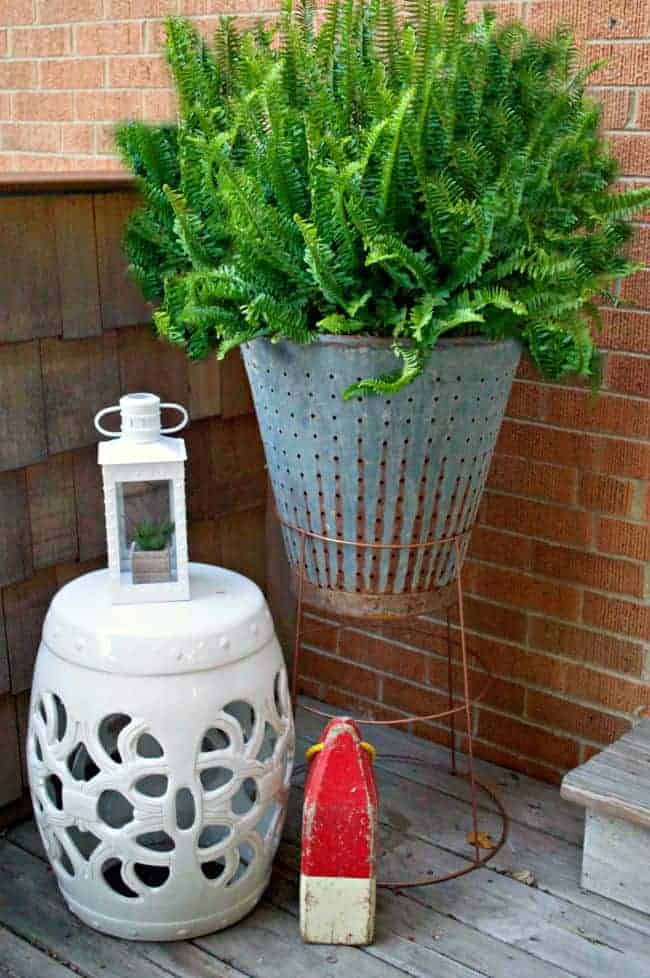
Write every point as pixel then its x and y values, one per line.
pixel 151 556
pixel 144 492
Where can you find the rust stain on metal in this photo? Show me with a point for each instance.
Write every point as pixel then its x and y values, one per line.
pixel 398 519
pixel 323 523
pixel 443 550
pixel 380 513
pixel 416 533
pixel 455 516
pixel 360 518
pixel 429 555
pixel 312 541
pixel 354 604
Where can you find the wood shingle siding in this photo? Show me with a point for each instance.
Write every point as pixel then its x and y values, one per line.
pixel 31 306
pixel 22 408
pixel 79 378
pixel 74 336
pixel 122 304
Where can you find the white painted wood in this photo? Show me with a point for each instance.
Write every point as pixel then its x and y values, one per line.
pixel 337 910
pixel 614 787
pixel 615 860
pixel 616 782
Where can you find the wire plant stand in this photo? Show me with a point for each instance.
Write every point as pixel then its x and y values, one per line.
pixel 459 704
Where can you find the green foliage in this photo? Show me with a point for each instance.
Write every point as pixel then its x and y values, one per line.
pixel 153 534
pixel 406 177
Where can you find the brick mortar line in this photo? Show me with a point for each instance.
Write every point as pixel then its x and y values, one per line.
pixel 620 87
pixel 639 644
pixel 639 602
pixel 106 20
pixel 441 725
pixel 575 388
pixel 555 655
pixel 30 59
pixel 95 90
pixel 525 684
pixel 63 155
pixel 620 636
pixel 608 435
pixel 102 90
pixel 636 176
pixel 579 548
pixel 617 41
pixel 632 109
pixel 539 575
pixel 554 731
pixel 359 696
pixel 578 740
pixel 626 132
pixel 571 507
pixel 626 353
pixel 430 687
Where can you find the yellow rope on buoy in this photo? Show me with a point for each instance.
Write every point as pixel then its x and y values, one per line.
pixel 370 749
pixel 317 748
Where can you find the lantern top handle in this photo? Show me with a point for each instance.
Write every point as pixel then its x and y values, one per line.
pixel 140 418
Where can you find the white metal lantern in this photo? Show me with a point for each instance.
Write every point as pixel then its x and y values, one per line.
pixel 144 498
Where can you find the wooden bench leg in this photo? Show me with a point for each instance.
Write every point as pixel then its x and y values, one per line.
pixel 614 860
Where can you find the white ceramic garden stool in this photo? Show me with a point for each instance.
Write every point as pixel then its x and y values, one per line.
pixel 160 748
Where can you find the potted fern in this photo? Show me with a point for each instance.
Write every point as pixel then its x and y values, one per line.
pixel 383 212
pixel 151 552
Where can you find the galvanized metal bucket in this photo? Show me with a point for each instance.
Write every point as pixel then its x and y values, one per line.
pixel 405 470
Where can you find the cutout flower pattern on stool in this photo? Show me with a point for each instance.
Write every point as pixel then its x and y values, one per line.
pixel 108 805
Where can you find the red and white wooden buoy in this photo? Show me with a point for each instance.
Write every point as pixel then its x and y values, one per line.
pixel 339 839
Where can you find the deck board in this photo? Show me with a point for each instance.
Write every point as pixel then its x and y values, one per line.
pixel 485 925
pixel 18 959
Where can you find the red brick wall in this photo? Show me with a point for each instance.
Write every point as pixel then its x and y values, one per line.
pixel 558 578
pixel 69 69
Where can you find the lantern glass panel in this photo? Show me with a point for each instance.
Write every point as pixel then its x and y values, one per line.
pixel 147 549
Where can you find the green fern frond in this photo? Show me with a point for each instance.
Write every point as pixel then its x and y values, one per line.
pixel 414 359
pixel 407 175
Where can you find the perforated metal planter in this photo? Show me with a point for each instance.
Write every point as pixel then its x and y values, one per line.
pixel 403 469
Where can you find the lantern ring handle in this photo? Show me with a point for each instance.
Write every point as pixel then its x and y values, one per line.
pixel 100 414
pixel 181 424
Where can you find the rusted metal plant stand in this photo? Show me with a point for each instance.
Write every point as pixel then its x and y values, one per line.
pixel 442 600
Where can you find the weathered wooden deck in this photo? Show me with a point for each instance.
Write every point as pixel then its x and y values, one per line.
pixel 483 924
